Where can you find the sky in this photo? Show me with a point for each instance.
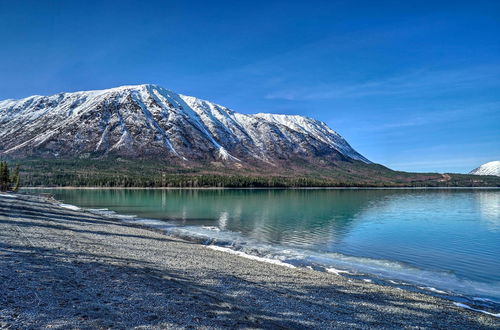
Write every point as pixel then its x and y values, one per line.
pixel 413 85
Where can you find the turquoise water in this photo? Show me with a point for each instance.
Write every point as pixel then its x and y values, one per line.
pixel 446 239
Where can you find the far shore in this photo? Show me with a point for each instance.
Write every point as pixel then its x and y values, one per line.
pixel 255 188
pixel 69 268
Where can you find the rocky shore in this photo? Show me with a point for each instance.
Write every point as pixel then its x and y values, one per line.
pixel 65 268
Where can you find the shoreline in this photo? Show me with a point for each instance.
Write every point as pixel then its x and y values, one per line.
pixel 36 231
pixel 259 188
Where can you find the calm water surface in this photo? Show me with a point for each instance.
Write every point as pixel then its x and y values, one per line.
pixel 448 239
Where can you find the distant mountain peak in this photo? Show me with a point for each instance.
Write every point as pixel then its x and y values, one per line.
pixel 490 168
pixel 150 121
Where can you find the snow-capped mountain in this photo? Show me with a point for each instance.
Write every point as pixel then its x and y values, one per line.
pixel 491 168
pixel 150 121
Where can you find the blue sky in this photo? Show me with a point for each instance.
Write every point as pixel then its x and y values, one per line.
pixel 414 85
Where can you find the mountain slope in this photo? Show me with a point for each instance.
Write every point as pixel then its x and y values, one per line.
pixel 491 168
pixel 150 121
pixel 148 136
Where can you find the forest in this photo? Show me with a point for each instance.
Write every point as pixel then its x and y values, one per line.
pixel 151 173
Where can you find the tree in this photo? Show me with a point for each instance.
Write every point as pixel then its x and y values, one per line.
pixel 4 176
pixel 16 179
pixel 6 180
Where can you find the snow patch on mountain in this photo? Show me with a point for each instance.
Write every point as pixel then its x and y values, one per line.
pixel 317 128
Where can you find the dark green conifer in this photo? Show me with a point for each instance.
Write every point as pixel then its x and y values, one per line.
pixel 4 176
pixel 16 179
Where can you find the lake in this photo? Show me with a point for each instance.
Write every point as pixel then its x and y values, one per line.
pixel 438 239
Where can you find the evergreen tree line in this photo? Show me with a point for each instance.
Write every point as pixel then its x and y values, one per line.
pixel 148 173
pixel 178 181
pixel 97 179
pixel 9 181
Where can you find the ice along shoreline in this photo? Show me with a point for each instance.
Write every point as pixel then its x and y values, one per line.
pixel 356 298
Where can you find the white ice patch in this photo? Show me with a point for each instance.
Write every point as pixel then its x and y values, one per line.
pixel 101 211
pixel 70 207
pixel 112 214
pixel 475 309
pixel 249 256
pixel 337 271
pixel 8 195
pixel 147 222
pixel 429 288
pixel 211 228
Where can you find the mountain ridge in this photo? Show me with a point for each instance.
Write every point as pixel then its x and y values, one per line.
pixel 142 120
pixel 148 136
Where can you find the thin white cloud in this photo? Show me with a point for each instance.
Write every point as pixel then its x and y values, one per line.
pixel 417 83
pixel 437 116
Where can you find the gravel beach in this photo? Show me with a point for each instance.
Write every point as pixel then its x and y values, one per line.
pixel 64 268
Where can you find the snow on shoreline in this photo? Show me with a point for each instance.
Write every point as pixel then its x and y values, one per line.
pixel 249 256
pixel 342 265
pixel 8 195
pixel 70 207
pixel 476 309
